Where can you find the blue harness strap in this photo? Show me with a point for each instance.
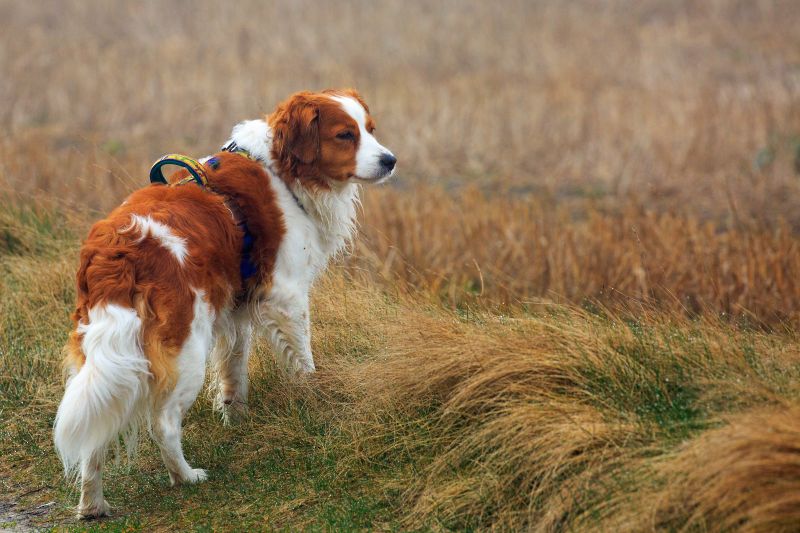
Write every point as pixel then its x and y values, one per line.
pixel 247 267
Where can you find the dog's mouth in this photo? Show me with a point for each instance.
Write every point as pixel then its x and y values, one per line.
pixel 380 178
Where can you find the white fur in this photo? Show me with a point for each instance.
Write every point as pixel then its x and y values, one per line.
pixel 368 167
pixel 159 231
pixel 101 399
pixel 233 332
pixel 255 136
pixel 168 414
pixel 111 391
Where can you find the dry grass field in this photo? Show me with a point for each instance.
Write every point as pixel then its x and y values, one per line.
pixel 575 309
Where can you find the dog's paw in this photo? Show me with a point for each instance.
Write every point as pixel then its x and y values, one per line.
pixel 194 475
pixel 198 475
pixel 94 510
pixel 232 409
pixel 233 413
pixel 300 368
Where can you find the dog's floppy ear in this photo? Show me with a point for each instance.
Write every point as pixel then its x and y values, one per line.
pixel 304 131
pixel 297 128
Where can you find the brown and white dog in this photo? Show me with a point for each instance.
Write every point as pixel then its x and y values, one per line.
pixel 160 286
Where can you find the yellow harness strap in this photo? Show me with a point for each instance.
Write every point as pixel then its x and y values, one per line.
pixel 197 171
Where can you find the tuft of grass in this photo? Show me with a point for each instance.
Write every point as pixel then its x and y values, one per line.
pixel 743 476
pixel 27 229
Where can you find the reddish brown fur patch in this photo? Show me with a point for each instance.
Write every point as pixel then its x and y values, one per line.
pixel 73 354
pixel 305 146
pixel 245 182
pixel 117 266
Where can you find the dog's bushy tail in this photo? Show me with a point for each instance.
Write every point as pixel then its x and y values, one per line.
pixel 105 395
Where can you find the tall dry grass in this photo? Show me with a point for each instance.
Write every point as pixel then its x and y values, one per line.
pixel 499 250
pixel 566 421
pixel 744 477
pixel 690 104
pixel 628 151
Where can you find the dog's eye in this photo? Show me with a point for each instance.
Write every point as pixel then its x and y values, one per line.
pixel 346 136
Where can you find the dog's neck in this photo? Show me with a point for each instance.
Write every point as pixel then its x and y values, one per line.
pixel 333 211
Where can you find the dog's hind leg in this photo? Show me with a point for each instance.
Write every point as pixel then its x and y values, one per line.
pixel 170 410
pixel 230 364
pixel 92 504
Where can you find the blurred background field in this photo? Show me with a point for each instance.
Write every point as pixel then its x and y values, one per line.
pixel 675 125
pixel 598 196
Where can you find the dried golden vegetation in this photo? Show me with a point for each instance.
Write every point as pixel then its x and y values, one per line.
pixel 473 249
pixel 534 330
pixel 744 476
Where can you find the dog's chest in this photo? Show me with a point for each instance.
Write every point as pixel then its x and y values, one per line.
pixel 303 253
pixel 311 239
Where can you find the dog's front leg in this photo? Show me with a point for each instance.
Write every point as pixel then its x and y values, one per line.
pixel 288 326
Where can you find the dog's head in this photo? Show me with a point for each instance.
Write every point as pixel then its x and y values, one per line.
pixel 327 138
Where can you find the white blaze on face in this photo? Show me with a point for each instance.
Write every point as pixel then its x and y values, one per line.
pixel 368 155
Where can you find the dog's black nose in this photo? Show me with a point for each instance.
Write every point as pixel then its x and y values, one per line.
pixel 388 161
